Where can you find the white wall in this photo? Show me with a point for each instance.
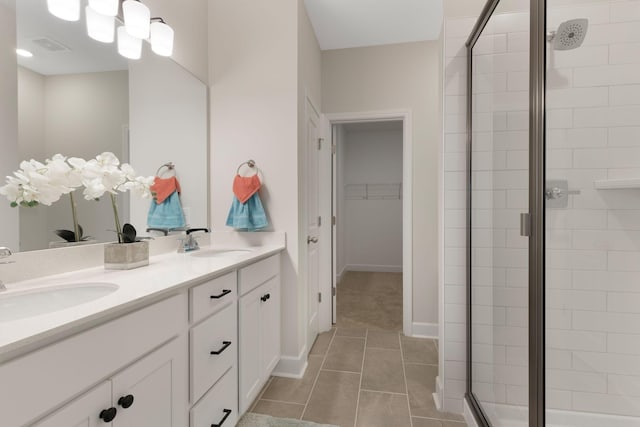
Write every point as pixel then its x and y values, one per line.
pixel 169 123
pixel 8 118
pixel 254 72
pixel 399 77
pixel 373 227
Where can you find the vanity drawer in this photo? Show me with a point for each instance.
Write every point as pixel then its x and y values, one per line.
pixel 218 334
pixel 256 274
pixel 210 296
pixel 217 403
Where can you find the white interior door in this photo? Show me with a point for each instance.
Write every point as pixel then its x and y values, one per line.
pixel 313 222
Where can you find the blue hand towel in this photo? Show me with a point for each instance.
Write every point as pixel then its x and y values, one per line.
pixel 249 216
pixel 167 214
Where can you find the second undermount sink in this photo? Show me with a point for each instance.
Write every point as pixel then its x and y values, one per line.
pixel 22 303
pixel 219 253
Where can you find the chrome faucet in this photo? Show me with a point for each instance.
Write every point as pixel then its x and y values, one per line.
pixel 190 243
pixel 4 253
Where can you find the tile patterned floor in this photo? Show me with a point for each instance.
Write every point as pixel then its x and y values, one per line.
pixel 364 372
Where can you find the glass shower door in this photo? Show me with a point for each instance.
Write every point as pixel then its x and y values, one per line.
pixel 499 193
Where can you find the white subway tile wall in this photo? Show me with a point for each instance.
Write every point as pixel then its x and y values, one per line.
pixel 593 245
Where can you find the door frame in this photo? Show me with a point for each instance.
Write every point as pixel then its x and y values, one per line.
pixel 407 210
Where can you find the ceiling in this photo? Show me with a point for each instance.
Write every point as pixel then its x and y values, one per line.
pixel 340 24
pixel 79 53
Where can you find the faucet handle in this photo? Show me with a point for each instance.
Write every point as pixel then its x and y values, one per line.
pixel 5 252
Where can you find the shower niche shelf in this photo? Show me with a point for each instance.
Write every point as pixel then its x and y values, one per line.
pixel 618 184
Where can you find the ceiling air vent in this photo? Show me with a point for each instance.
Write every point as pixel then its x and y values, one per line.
pixel 50 45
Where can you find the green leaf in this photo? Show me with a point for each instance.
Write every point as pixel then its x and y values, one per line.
pixel 14 205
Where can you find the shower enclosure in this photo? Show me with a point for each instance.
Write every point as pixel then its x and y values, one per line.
pixel 553 214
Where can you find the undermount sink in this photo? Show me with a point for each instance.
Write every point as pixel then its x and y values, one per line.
pixel 23 303
pixel 219 253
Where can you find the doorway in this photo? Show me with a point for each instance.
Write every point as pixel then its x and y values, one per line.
pixel 371 203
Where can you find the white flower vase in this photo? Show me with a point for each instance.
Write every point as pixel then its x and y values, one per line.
pixel 126 256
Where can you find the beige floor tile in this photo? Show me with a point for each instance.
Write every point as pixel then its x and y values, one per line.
pixel 418 350
pixel 322 342
pixel 345 354
pixel 429 422
pixel 334 399
pixel 294 390
pixel 383 410
pixel 351 332
pixel 278 409
pixel 383 371
pixel 382 339
pixel 420 385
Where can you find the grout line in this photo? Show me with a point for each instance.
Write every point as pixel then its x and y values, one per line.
pixel 383 392
pixel 315 381
pixel 337 370
pixel 259 397
pixel 441 419
pixel 364 353
pixel 404 374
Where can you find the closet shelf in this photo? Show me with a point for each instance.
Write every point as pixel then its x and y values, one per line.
pixel 392 191
pixel 617 184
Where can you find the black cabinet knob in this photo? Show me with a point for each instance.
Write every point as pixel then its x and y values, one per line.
pixel 107 415
pixel 265 297
pixel 126 401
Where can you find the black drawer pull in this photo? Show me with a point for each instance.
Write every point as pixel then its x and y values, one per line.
pixel 224 292
pixel 126 401
pixel 107 415
pixel 265 297
pixel 227 412
pixel 225 344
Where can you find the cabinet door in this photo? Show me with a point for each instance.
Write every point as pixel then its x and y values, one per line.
pixel 83 411
pixel 249 348
pixel 153 391
pixel 270 327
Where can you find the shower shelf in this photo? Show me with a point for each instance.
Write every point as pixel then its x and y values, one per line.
pixel 617 184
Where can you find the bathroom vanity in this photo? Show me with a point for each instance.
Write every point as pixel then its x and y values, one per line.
pixel 187 341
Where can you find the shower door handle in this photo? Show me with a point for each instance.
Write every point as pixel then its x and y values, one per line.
pixel 525 225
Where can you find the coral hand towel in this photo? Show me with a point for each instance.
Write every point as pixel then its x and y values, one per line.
pixel 162 188
pixel 245 187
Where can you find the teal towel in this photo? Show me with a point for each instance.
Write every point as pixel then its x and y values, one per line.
pixel 249 216
pixel 167 214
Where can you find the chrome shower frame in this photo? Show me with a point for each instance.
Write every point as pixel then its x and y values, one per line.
pixel 537 145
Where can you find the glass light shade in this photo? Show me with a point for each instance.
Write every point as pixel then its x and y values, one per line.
pixel 105 7
pixel 99 27
pixel 161 38
pixel 69 10
pixel 137 18
pixel 129 46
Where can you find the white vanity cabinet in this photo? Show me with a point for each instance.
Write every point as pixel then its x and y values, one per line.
pixel 146 393
pixel 259 327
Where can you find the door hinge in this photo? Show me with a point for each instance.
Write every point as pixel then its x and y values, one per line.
pixel 319 296
pixel 333 292
pixel 319 221
pixel 320 143
pixel 333 220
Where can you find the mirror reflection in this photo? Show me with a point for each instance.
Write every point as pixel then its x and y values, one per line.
pixel 79 97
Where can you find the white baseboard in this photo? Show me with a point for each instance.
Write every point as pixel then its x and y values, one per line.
pixel 292 367
pixel 424 330
pixel 374 268
pixel 468 416
pixel 438 395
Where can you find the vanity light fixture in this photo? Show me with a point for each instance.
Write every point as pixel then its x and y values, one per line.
pixel 137 18
pixel 24 53
pixel 128 46
pixel 105 7
pixel 69 10
pixel 161 37
pixel 99 27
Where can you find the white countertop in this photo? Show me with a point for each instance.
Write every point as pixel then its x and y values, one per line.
pixel 167 274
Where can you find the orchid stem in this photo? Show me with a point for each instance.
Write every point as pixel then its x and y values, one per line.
pixel 74 214
pixel 116 217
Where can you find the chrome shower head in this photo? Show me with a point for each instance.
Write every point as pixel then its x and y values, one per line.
pixel 569 35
